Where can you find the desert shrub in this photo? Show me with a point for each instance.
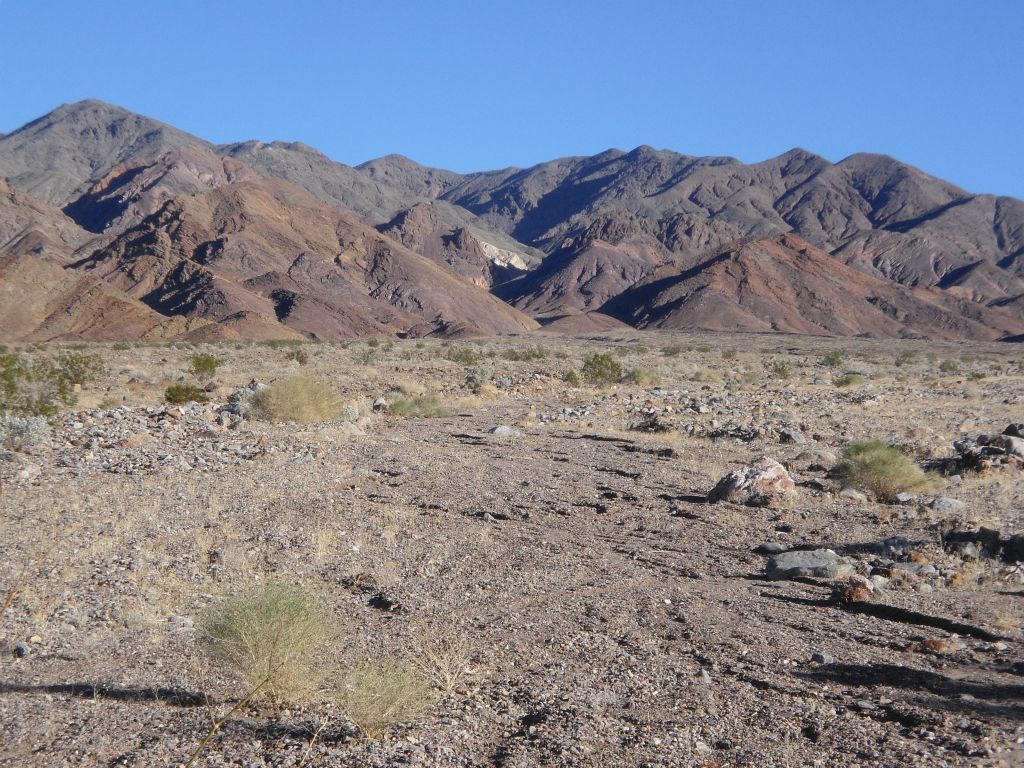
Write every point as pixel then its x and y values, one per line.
pixel 571 378
pixel 270 633
pixel 373 343
pixel 878 467
pixel 704 348
pixel 729 354
pixel 978 375
pixel 298 355
pixel 749 378
pixel 477 376
pixel 441 655
pixel 642 376
pixel 376 696
pixel 38 386
pixel 120 346
pixel 601 368
pixel 80 368
pixel 179 394
pixel 903 358
pixel 204 367
pixel 672 350
pixel 949 366
pixel 706 375
pixel 296 398
pixel 848 380
pixel 833 359
pixel 463 355
pixel 782 369
pixel 525 354
pixel 23 433
pixel 422 406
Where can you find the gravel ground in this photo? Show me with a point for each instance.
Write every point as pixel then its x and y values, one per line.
pixel 613 615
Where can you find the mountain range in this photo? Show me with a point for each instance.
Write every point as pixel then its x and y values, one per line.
pixel 117 226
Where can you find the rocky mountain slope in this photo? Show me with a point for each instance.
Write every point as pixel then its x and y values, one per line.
pixel 392 246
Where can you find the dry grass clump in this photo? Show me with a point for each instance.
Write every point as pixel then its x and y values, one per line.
pixel 376 696
pixel 297 398
pixel 848 380
pixel 644 377
pixel 423 406
pixel 441 655
pixel 878 467
pixel 268 636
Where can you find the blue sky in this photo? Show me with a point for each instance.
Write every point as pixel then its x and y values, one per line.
pixel 476 84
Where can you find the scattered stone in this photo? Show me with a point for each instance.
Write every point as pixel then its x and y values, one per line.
pixel 770 548
pixel 380 405
pixel 814 460
pixel 853 494
pixel 794 436
pixel 821 657
pixel 21 650
pixel 945 504
pixel 803 563
pixel 757 484
pixel 905 497
pixel 503 430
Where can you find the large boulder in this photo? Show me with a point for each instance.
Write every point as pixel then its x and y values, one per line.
pixel 808 563
pixel 759 483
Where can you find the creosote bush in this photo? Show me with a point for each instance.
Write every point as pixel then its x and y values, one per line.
pixel 179 394
pixel 848 380
pixel 297 355
pixel 296 398
pixel 31 386
pixel 833 359
pixel 272 632
pixel 571 378
pixel 949 366
pixel 878 467
pixel 376 696
pixel 204 367
pixel 422 406
pixel 641 376
pixel 601 369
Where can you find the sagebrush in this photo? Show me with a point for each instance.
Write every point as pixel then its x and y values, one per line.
pixel 297 398
pixel 879 468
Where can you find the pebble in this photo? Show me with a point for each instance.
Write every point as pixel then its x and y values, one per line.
pixel 820 657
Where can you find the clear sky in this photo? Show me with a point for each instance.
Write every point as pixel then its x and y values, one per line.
pixel 477 84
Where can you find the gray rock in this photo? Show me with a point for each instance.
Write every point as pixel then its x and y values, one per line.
pixel 761 481
pixel 770 548
pixel 945 504
pixel 380 405
pixel 21 650
pixel 817 563
pixel 503 430
pixel 853 494
pixel 792 436
pixel 821 657
pixel 905 498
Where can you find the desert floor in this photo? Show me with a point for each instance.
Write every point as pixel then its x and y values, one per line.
pixel 601 610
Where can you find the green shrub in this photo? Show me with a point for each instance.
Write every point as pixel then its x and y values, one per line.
pixel 978 375
pixel 706 375
pixel 373 343
pixel 904 358
pixel 848 380
pixel 463 355
pixel 525 354
pixel 879 468
pixel 270 633
pixel 641 376
pixel 121 346
pixel 949 366
pixel 179 394
pixel 571 378
pixel 782 369
pixel 729 354
pixel 833 359
pixel 296 398
pixel 204 367
pixel 601 369
pixel 42 386
pixel 672 350
pixel 422 406
pixel 376 696
pixel 298 355
pixel 477 376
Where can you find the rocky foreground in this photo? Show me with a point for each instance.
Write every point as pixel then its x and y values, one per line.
pixel 657 574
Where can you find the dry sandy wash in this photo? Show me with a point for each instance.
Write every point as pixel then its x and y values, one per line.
pixel 610 615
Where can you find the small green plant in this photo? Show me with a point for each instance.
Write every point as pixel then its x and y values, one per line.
pixel 878 467
pixel 833 359
pixel 463 355
pixel 525 354
pixel 270 633
pixel 949 366
pixel 673 350
pixel 904 358
pixel 204 367
pixel 376 696
pixel 571 378
pixel 978 375
pixel 179 394
pixel 601 369
pixel 848 380
pixel 477 376
pixel 641 376
pixel 31 386
pixel 296 398
pixel 298 355
pixel 373 343
pixel 782 369
pixel 120 346
pixel 421 406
